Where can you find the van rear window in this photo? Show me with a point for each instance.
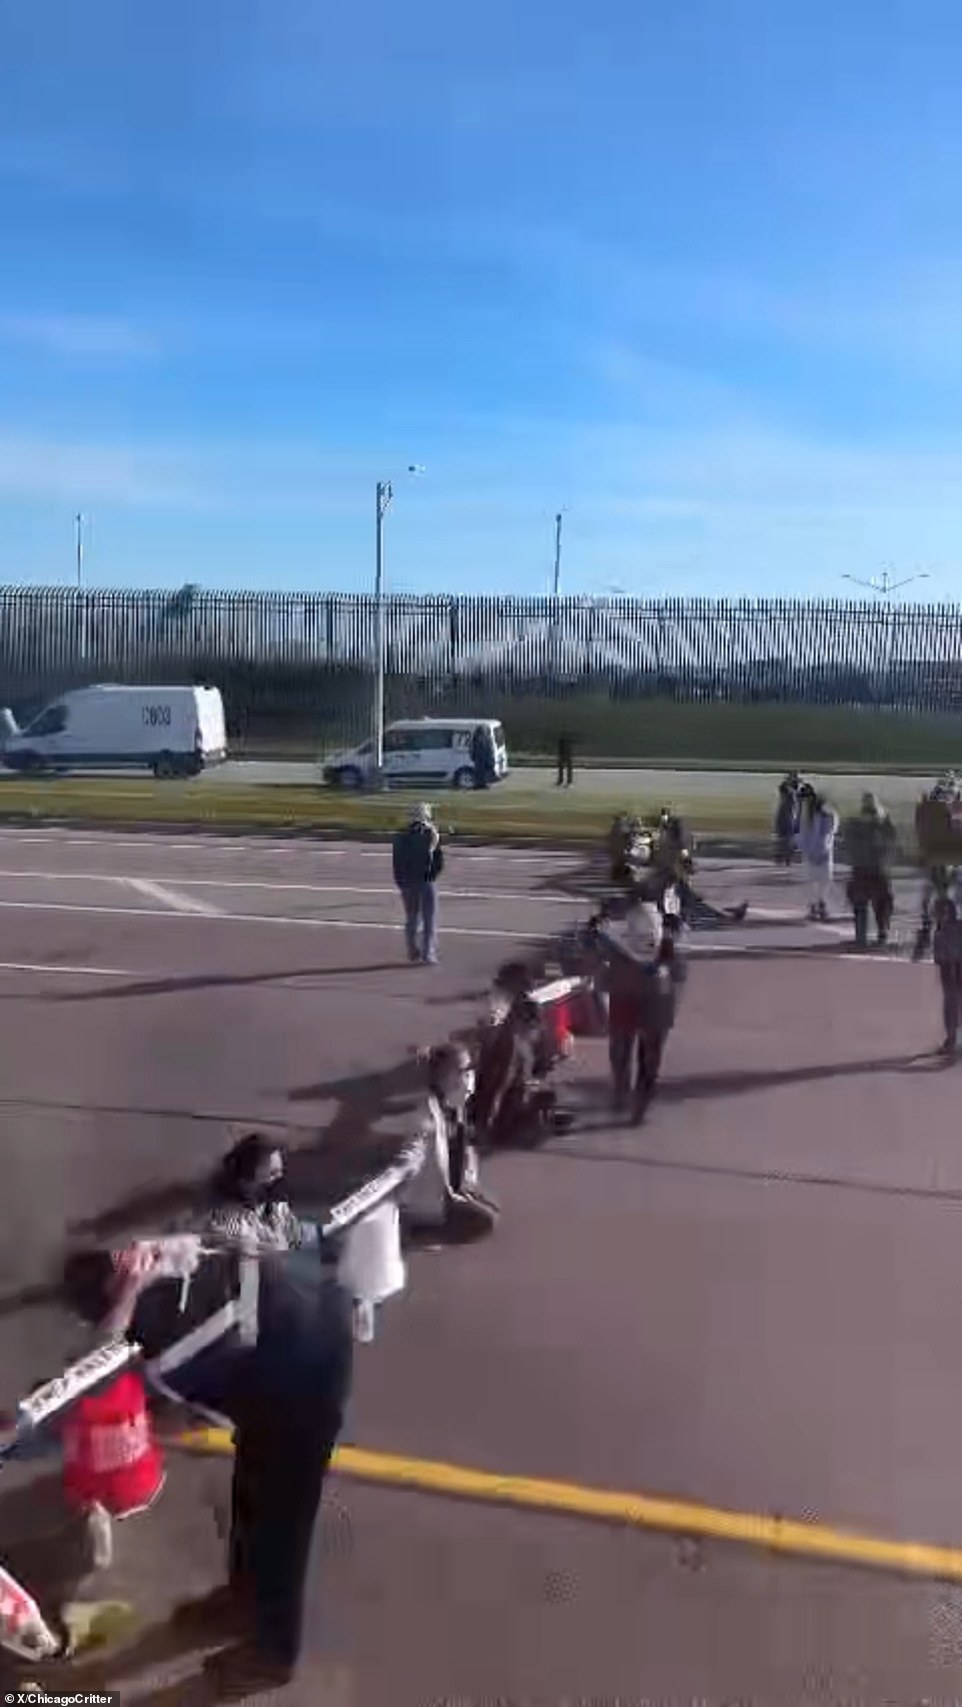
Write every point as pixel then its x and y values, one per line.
pixel 498 734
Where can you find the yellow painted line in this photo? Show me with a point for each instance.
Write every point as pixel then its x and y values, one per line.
pixel 641 1511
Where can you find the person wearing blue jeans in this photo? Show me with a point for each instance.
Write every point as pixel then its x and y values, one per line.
pixel 418 861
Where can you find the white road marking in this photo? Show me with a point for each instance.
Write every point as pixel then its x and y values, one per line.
pixel 152 887
pixel 66 971
pixel 168 897
pixel 253 919
pixel 247 844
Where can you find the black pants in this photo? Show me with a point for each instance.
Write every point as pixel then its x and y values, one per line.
pixel 565 769
pixel 871 890
pixel 279 1474
pixel 950 977
pixel 635 1060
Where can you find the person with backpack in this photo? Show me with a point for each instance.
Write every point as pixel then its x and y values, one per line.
pixel 418 860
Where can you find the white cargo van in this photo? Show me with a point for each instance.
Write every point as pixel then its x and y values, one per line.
pixel 175 731
pixel 423 749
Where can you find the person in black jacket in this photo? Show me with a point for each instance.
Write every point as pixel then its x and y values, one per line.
pixel 278 1368
pixel 418 862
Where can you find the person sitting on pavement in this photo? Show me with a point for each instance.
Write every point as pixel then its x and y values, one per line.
pixel 869 840
pixel 418 860
pixel 674 862
pixel 513 1101
pixel 640 967
pixel 445 1196
pixel 249 1199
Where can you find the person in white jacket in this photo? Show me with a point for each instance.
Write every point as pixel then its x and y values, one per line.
pixel 816 842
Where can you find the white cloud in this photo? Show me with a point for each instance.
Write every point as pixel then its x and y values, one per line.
pixel 76 335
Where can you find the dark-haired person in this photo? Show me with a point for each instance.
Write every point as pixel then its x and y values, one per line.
pixel 674 864
pixel 248 1197
pixel 264 1343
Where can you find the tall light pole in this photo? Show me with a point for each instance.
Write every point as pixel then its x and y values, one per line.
pixel 383 496
pixel 556 582
pixel 79 524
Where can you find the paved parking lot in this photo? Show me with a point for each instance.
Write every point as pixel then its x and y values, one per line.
pixel 749 1303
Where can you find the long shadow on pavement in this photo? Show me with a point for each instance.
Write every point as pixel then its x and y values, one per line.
pixel 214 981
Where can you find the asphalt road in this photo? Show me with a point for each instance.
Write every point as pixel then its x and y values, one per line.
pixel 684 787
pixel 751 1302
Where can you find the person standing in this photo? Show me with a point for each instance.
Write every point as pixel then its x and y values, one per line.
pixel 418 860
pixel 483 756
pixel 566 749
pixel 947 954
pixel 284 1387
pixel 870 845
pixel 786 819
pixel 816 838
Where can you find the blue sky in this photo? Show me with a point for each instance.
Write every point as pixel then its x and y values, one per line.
pixel 692 270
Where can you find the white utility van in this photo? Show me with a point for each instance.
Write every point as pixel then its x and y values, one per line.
pixel 174 731
pixel 423 749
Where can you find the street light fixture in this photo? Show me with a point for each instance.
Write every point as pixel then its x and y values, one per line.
pixel 383 496
pixel 884 587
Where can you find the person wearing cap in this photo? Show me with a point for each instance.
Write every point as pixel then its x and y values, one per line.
pixel 869 840
pixel 418 859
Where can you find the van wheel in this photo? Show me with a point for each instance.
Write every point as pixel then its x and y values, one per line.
pixel 464 778
pixel 349 777
pixel 165 767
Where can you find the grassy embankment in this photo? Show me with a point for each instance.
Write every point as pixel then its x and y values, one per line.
pixel 695 736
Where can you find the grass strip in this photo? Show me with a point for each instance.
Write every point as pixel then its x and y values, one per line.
pixel 518 816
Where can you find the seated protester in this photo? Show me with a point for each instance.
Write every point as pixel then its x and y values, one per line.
pixel 512 1103
pixel 641 968
pixel 674 859
pixel 445 1194
pixel 248 1197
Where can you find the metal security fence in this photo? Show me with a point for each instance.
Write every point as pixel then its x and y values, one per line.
pixel 304 658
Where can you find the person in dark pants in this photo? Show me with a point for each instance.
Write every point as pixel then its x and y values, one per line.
pixel 641 970
pixel 947 954
pixel 278 1369
pixel 483 756
pixel 566 748
pixel 869 842
pixel 418 860
pixel 786 819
